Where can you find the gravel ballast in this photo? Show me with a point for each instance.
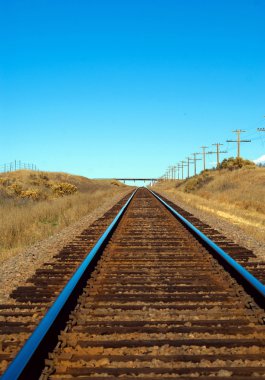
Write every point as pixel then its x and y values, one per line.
pixel 230 230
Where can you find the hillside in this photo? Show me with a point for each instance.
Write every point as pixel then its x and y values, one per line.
pixel 35 205
pixel 33 185
pixel 237 196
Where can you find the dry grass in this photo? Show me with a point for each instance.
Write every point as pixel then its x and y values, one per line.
pixel 45 185
pixel 237 196
pixel 26 220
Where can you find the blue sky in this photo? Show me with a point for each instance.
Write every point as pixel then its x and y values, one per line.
pixel 113 88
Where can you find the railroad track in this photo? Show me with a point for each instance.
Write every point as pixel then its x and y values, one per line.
pixel 153 302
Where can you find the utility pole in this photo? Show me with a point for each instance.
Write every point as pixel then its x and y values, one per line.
pixel 218 152
pixel 174 172
pixel 183 164
pixel 169 173
pixel 178 167
pixel 238 140
pixel 189 160
pixel 203 155
pixel 195 160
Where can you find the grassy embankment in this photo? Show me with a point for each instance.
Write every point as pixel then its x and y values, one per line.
pixel 35 205
pixel 238 196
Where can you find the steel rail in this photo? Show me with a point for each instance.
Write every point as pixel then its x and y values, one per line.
pixel 247 278
pixel 26 364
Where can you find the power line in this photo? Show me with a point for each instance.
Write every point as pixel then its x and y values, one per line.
pixel 252 133
pixel 238 140
pixel 217 152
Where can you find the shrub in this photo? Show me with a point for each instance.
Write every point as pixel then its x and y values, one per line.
pixel 35 182
pixel 4 181
pixel 15 188
pixel 197 182
pixel 116 183
pixel 44 177
pixel 233 163
pixel 63 188
pixel 33 194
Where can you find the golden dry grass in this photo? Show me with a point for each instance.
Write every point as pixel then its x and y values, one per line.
pixel 26 221
pixel 45 185
pixel 237 196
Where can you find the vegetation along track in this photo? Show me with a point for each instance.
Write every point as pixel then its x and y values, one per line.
pixel 157 304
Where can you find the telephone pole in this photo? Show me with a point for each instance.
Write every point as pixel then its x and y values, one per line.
pixel 189 160
pixel 174 172
pixel 238 140
pixel 218 152
pixel 169 173
pixel 183 163
pixel 203 155
pixel 178 167
pixel 195 160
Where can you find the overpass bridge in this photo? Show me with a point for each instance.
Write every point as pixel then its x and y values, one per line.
pixel 125 179
pixel 134 179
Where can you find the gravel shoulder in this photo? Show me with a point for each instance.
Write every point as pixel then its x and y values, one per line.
pixel 17 269
pixel 230 230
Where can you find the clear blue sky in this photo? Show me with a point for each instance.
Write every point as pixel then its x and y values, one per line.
pixel 111 88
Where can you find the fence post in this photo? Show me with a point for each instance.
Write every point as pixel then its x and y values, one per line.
pixel 17 165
